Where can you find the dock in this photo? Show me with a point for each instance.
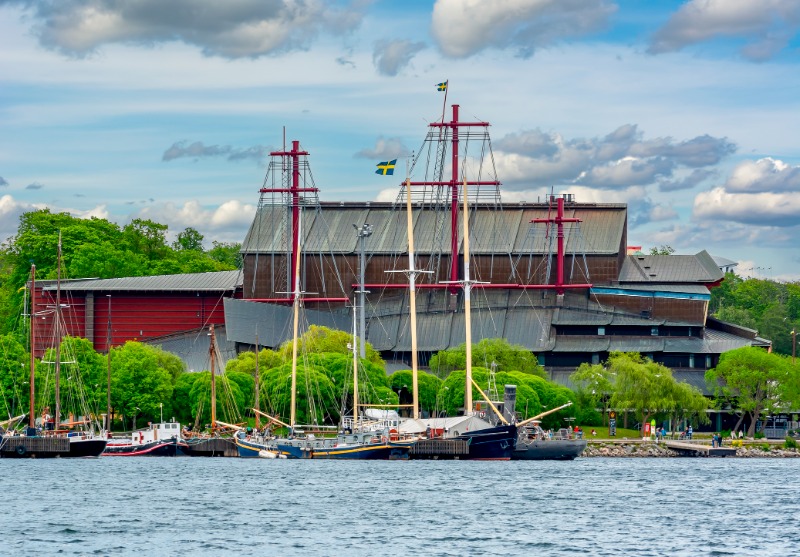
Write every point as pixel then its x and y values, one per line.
pixel 697 449
pixel 439 449
pixel 21 446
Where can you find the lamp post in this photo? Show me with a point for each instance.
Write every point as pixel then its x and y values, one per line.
pixel 794 344
pixel 135 408
pixel 364 231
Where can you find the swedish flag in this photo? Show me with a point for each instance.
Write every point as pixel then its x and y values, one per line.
pixel 386 168
pixel 441 86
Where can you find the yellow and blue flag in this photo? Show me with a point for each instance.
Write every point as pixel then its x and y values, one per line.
pixel 441 86
pixel 386 168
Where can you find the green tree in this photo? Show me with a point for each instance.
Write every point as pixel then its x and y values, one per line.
pixel 428 386
pixel 14 376
pixel 139 384
pixel 662 250
pixel 189 240
pixel 507 357
pixel 750 378
pixel 594 387
pixel 228 254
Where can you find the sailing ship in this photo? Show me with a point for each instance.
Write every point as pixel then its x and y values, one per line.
pixel 351 442
pixel 484 441
pixel 219 442
pixel 52 438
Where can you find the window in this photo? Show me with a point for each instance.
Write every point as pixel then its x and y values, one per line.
pixel 601 331
pixel 595 358
pixel 691 360
pixel 654 331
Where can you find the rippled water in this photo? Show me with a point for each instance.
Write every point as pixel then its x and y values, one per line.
pixel 592 506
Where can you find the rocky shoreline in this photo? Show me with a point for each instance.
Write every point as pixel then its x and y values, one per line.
pixel 653 450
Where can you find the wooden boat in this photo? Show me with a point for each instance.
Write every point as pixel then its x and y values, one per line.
pixel 161 439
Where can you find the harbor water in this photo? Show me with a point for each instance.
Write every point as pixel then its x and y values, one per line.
pixel 228 506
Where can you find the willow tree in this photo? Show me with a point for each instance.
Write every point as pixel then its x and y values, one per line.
pixel 755 381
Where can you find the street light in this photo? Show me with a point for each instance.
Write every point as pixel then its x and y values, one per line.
pixel 794 344
pixel 364 231
pixel 135 408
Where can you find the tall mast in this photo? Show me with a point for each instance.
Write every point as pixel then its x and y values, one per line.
pixel 467 307
pixel 212 351
pixel 355 372
pixel 108 370
pixel 296 307
pixel 412 295
pixel 32 416
pixel 257 387
pixel 58 336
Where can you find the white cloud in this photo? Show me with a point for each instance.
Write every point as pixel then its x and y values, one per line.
pixel 764 175
pixel 465 27
pixel 764 208
pixel 230 217
pixel 390 57
pixel 768 25
pixel 231 29
pixel 385 148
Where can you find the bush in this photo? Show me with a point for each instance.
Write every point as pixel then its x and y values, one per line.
pixel 759 435
pixel 790 443
pixel 737 443
pixel 764 447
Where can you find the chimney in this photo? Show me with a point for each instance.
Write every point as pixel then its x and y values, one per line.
pixel 510 403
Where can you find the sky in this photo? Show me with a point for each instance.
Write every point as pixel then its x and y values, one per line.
pixel 688 111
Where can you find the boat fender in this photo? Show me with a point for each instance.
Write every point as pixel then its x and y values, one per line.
pixel 21 450
pixel 383 439
pixel 141 437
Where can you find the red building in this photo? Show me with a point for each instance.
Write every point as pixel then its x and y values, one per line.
pixel 113 311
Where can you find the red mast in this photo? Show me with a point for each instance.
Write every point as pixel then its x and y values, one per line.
pixel 454 125
pixel 559 221
pixel 294 191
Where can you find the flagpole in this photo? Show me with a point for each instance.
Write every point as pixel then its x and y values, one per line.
pixel 444 103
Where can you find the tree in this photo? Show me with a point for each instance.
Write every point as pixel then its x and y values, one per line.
pixel 506 356
pixel 662 250
pixel 14 376
pixel 427 384
pixel 647 387
pixel 751 378
pixel 189 240
pixel 228 254
pixel 594 387
pixel 139 384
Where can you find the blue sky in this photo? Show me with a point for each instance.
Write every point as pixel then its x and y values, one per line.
pixel 687 111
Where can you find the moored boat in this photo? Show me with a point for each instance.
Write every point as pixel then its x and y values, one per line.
pixel 162 439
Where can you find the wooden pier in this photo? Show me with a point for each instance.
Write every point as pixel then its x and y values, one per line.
pixel 214 446
pixel 697 449
pixel 44 447
pixel 436 449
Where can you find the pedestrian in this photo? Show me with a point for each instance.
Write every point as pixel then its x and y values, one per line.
pixel 740 434
pixel 689 433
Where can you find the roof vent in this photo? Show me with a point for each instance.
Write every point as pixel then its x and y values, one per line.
pixel 640 258
pixel 652 274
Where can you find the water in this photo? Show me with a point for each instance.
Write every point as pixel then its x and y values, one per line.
pixel 223 506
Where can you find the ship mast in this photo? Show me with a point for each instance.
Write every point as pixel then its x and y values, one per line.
pixel 212 351
pixel 257 387
pixel 355 371
pixel 296 311
pixel 32 417
pixel 57 414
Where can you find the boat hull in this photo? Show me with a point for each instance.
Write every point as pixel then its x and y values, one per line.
pixel 494 443
pixel 549 449
pixel 382 451
pixel 155 448
pixel 212 447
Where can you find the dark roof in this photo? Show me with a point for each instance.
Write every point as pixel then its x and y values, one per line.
pixel 220 281
pixel 643 268
pixel 493 229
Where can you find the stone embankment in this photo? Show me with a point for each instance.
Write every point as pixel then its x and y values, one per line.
pixel 646 450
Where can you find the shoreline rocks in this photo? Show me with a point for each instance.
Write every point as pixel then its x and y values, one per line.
pixel 653 450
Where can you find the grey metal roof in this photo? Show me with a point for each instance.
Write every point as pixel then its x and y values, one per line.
pixel 485 324
pixel 491 230
pixel 581 344
pixel 193 348
pixel 219 281
pixel 273 322
pixel 669 268
pixel 634 344
pixel 529 328
pixel 568 316
pixel 694 378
